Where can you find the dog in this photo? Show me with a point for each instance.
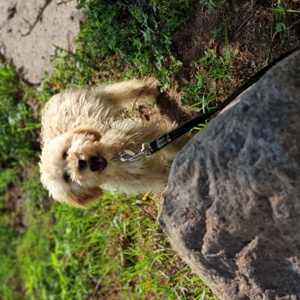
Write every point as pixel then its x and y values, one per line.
pixel 83 131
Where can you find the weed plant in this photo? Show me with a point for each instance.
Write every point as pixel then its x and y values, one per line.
pixel 281 10
pixel 211 80
pixel 212 4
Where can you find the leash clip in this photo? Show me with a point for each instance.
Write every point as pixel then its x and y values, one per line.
pixel 128 155
pixel 146 149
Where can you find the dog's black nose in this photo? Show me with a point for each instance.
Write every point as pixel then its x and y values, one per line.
pixel 82 164
pixel 97 163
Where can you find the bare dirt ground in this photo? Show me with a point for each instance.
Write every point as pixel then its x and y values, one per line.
pixel 250 28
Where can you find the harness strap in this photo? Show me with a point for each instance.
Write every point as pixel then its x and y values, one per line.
pixel 172 135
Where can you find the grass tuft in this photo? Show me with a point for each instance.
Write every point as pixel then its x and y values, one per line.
pixel 211 80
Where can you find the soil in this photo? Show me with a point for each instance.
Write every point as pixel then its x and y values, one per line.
pixel 249 28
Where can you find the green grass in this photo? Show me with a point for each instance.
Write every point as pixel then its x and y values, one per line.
pixel 10 287
pixel 115 249
pixel 212 4
pixel 211 80
pixel 17 121
pixel 122 39
pixel 111 251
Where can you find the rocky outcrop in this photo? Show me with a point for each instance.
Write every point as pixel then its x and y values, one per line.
pixel 232 207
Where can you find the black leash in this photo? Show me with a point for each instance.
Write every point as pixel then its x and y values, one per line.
pixel 149 148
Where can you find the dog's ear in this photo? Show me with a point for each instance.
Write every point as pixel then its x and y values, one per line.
pixel 87 130
pixel 83 198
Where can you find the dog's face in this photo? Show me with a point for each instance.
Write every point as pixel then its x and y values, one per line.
pixel 71 166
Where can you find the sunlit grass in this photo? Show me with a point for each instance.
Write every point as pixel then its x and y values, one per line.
pixel 212 81
pixel 113 249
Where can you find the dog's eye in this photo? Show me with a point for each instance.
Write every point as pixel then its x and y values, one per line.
pixel 65 155
pixel 66 177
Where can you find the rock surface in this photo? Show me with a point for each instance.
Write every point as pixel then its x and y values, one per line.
pixel 232 208
pixel 30 30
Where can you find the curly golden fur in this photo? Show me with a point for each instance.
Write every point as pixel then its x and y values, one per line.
pixel 82 132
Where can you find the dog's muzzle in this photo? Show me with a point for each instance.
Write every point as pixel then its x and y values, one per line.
pixel 95 163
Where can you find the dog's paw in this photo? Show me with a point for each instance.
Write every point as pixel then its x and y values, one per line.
pixel 151 82
pixel 149 88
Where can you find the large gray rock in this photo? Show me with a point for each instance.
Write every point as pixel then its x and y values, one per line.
pixel 232 207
